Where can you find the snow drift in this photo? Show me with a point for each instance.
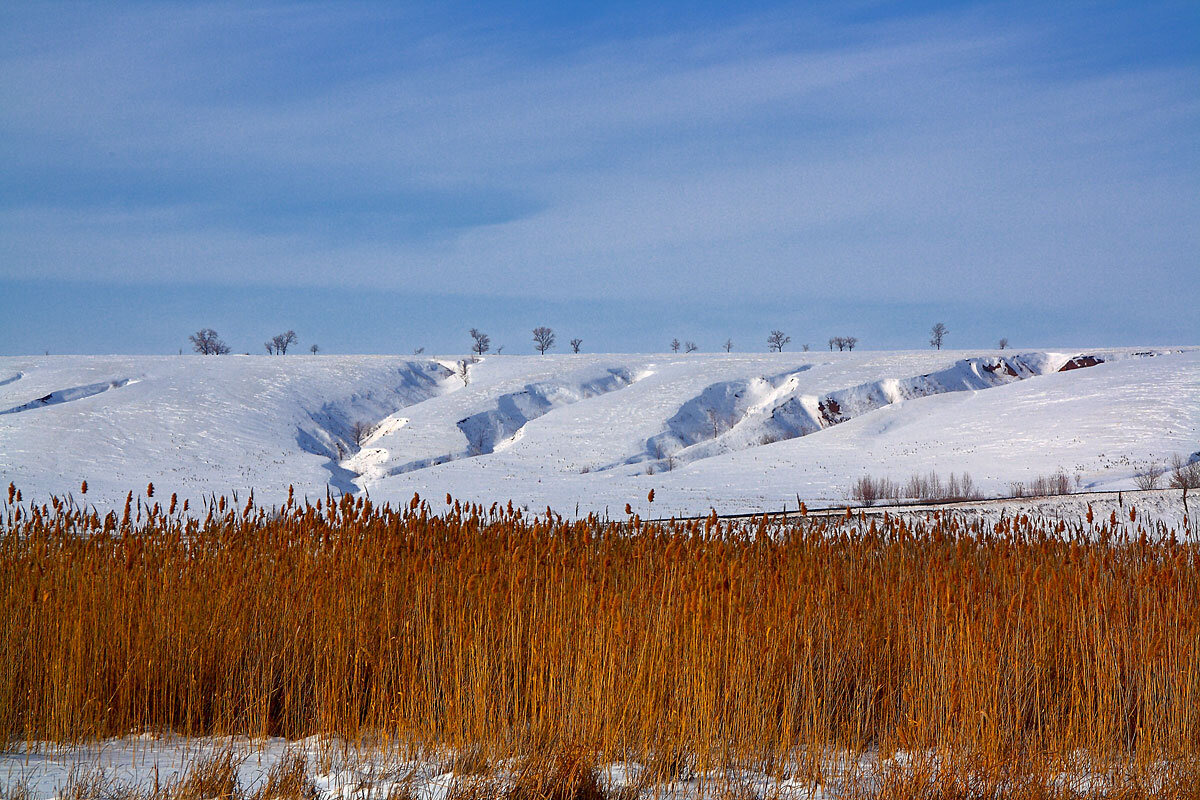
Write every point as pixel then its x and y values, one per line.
pixel 590 432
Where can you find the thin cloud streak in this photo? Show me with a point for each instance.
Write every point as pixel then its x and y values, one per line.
pixel 902 156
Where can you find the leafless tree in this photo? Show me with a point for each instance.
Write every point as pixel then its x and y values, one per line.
pixel 1004 343
pixel 867 490
pixel 850 342
pixel 728 345
pixel 576 344
pixel 464 369
pixel 281 342
pixel 804 348
pixel 937 335
pixel 1184 474
pixel 690 347
pixel 1057 483
pixel 482 341
pixel 777 340
pixel 839 342
pixel 361 431
pixel 418 350
pixel 270 346
pixel 543 339
pixel 674 345
pixel 719 425
pixel 314 349
pixel 206 342
pixel 1148 478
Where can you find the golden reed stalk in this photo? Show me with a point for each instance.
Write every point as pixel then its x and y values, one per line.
pixel 689 646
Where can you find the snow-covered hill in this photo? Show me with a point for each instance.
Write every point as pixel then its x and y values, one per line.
pixel 590 432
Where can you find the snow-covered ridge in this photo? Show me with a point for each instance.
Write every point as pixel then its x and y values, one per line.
pixel 737 432
pixel 498 427
pixel 736 415
pixel 334 430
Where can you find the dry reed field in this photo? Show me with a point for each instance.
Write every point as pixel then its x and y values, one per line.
pixel 970 661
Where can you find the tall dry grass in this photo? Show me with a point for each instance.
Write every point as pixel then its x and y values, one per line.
pixel 689 647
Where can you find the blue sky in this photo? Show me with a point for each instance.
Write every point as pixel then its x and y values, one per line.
pixel 382 176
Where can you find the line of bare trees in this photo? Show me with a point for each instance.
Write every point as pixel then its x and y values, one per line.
pixel 544 339
pixel 869 490
pixel 278 344
pixel 777 339
pixel 207 342
pixel 842 342
pixel 1180 473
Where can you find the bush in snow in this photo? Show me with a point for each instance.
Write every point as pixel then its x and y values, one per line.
pixel 1149 478
pixel 1185 474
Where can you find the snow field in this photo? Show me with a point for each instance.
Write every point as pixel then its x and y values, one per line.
pixel 590 433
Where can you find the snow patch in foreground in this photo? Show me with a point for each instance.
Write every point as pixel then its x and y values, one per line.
pixel 338 770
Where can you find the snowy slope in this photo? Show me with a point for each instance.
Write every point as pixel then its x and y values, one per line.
pixel 734 432
pixel 195 425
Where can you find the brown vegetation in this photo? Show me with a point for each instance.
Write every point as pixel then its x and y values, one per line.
pixel 1055 484
pixel 1006 651
pixel 869 490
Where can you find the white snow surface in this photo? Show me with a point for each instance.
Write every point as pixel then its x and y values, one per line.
pixel 343 771
pixel 584 433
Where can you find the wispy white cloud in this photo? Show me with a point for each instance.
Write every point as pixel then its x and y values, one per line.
pixel 939 157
